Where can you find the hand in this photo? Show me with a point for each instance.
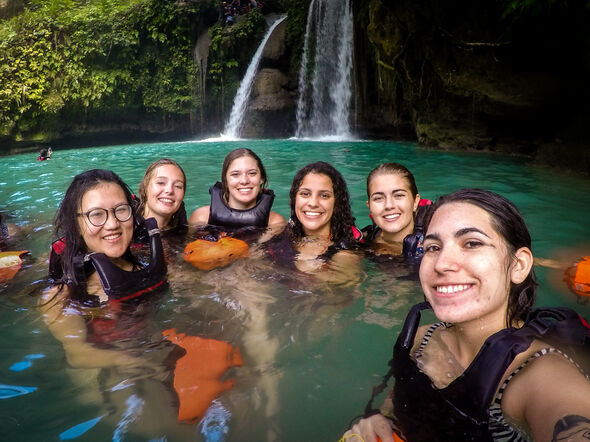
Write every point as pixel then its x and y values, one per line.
pixel 369 429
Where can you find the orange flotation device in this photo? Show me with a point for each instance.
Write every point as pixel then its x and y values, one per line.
pixel 396 438
pixel 10 263
pixel 577 277
pixel 208 255
pixel 197 374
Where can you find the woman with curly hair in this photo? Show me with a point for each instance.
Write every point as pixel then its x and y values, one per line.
pixel 321 229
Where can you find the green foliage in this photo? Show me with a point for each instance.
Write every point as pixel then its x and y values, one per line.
pixel 231 50
pixel 296 25
pixel 73 57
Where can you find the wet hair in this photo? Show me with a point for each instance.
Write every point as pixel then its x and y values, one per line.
pixel 66 219
pixel 238 153
pixel 144 184
pixel 342 220
pixel 509 223
pixel 396 169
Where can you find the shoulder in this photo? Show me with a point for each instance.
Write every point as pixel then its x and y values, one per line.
pixel 200 215
pixel 276 220
pixel 549 379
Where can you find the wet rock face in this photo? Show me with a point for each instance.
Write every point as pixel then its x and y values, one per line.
pixel 271 111
pixel 462 75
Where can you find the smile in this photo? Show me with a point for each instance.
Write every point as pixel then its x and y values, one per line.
pixel 245 190
pixel 312 213
pixel 166 201
pixel 392 216
pixel 452 288
pixel 112 237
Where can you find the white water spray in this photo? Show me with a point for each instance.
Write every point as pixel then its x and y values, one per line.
pixel 325 77
pixel 236 119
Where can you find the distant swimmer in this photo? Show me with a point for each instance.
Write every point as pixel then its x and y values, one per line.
pixel 45 154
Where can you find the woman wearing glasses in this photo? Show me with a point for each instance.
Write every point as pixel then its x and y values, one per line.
pixel 100 301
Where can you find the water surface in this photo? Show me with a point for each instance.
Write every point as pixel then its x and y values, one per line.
pixel 312 351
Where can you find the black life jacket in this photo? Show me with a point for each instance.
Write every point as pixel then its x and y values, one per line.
pixel 179 220
pixel 118 284
pixel 412 249
pixel 283 252
pixel 222 215
pixel 460 411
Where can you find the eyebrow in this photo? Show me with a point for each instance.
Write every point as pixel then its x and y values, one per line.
pixel 320 190
pixel 458 233
pixel 393 191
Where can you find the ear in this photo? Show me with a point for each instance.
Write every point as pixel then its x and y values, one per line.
pixel 521 267
pixel 416 202
pixel 368 205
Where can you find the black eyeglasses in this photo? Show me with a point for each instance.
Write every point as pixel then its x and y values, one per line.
pixel 99 217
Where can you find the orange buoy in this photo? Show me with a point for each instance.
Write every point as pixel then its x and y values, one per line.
pixel 10 263
pixel 197 374
pixel 208 255
pixel 577 277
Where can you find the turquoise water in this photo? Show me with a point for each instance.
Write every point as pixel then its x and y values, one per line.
pixel 312 351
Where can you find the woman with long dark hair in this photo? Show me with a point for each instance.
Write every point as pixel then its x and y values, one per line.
pixel 492 368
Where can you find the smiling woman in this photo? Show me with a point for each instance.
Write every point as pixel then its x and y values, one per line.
pixel 241 199
pixel 161 193
pixel 488 370
pixel 321 234
pixel 396 211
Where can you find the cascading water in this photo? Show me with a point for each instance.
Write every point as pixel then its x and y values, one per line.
pixel 236 119
pixel 325 77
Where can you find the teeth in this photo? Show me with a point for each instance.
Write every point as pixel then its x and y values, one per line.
pixel 451 288
pixel 312 213
pixel 391 216
pixel 166 200
pixel 109 237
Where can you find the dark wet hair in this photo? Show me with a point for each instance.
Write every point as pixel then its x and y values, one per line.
pixel 509 223
pixel 342 220
pixel 66 219
pixel 238 153
pixel 143 186
pixel 393 168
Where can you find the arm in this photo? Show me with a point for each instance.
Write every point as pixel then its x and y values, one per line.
pixel 276 224
pixel 69 327
pixel 200 216
pixel 553 398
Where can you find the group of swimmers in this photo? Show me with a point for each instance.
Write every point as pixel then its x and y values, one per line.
pixel 494 368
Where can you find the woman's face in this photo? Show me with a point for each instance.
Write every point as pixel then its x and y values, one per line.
pixel 314 204
pixel 112 238
pixel 466 271
pixel 244 183
pixel 392 205
pixel 165 192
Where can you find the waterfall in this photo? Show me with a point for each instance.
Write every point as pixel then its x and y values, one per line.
pixel 236 119
pixel 325 76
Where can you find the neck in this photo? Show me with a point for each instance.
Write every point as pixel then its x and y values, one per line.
pixel 396 237
pixel 467 338
pixel 160 219
pixel 122 263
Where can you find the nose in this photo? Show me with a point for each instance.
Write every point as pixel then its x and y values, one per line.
pixel 313 201
pixel 447 260
pixel 112 222
pixel 244 178
pixel 389 202
pixel 169 188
